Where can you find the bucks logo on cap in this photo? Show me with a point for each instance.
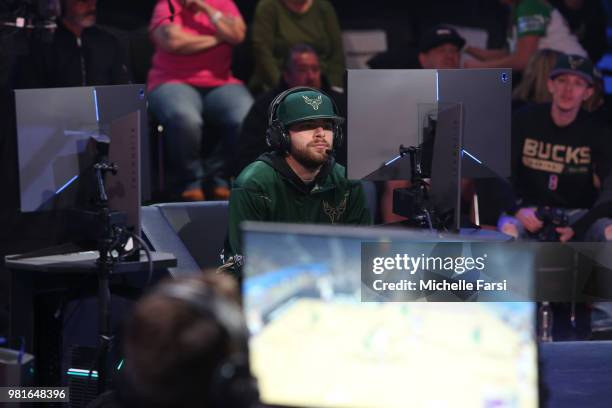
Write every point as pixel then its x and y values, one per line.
pixel 313 102
pixel 575 62
pixel 306 105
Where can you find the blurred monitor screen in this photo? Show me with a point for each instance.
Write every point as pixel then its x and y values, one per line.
pixel 313 343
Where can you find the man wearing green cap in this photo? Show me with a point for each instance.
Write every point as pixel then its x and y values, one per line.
pixel 299 182
pixel 561 158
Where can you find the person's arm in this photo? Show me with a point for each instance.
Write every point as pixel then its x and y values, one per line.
pixel 172 38
pixel 335 63
pixel 244 204
pixel 526 46
pixel 357 209
pixel 230 28
pixel 264 28
pixel 485 54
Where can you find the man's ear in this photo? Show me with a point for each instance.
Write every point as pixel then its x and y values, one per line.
pixel 589 92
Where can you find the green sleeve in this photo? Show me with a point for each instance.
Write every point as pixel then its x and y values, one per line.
pixel 335 62
pixel 267 70
pixel 532 18
pixel 357 211
pixel 244 205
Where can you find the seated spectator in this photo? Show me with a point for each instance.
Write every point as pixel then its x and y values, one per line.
pixel 186 346
pixel 561 154
pixel 302 68
pixel 80 54
pixel 533 87
pixel 190 84
pixel 300 181
pixel 280 24
pixel 562 161
pixel 440 48
pixel 535 25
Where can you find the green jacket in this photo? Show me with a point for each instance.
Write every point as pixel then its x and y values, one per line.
pixel 268 190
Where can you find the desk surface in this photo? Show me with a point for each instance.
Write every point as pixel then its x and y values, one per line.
pixel 576 374
pixel 80 262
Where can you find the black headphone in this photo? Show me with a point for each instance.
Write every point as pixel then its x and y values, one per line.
pixel 232 385
pixel 277 135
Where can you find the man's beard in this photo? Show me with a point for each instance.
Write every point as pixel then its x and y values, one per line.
pixel 309 158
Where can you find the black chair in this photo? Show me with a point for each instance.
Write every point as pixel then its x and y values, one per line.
pixel 194 232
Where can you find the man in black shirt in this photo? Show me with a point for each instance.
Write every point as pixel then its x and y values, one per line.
pixel 561 158
pixel 80 54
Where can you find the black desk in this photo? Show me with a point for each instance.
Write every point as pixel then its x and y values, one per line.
pixel 576 374
pixel 29 277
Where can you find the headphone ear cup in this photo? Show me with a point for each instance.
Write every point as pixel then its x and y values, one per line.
pixel 233 385
pixel 273 137
pixel 277 137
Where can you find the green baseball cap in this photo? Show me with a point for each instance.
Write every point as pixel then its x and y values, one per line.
pixel 306 105
pixel 573 64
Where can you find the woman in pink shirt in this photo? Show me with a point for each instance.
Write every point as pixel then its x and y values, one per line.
pixel 191 83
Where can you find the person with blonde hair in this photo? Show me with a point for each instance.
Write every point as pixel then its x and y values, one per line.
pixel 534 84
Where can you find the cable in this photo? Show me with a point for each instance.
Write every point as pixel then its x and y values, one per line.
pixel 147 250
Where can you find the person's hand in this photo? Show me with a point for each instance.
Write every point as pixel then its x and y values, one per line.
pixel 509 228
pixel 565 233
pixel 528 218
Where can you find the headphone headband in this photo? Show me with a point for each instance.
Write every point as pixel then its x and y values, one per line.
pixel 277 136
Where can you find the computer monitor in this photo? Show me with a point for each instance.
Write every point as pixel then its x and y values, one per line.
pixel 313 343
pixel 385 111
pixel 56 128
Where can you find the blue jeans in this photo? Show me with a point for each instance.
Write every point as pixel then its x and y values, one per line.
pixel 183 110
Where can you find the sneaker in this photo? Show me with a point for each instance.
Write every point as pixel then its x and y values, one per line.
pixel 220 193
pixel 193 194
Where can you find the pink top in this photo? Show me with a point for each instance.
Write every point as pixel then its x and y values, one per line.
pixel 209 68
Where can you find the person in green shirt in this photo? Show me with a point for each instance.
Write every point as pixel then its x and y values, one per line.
pixel 280 24
pixel 299 182
pixel 535 25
